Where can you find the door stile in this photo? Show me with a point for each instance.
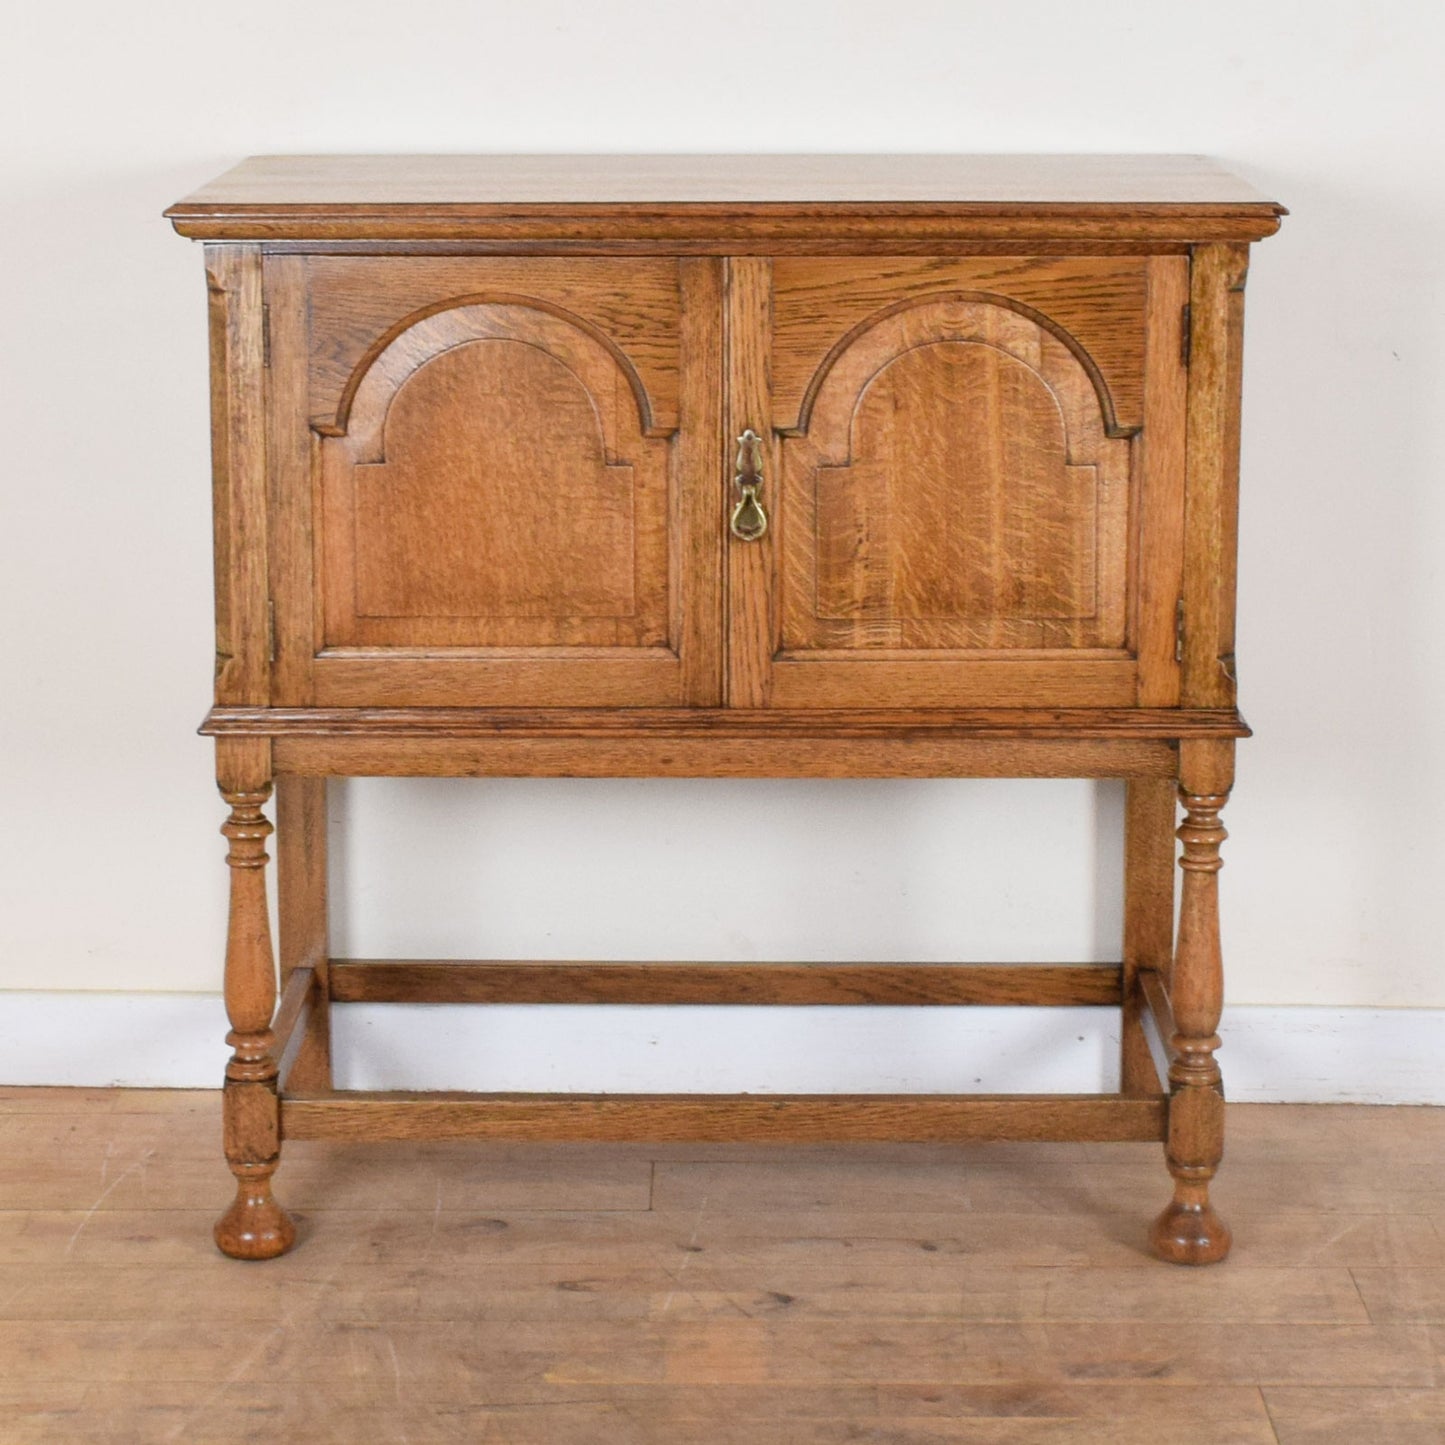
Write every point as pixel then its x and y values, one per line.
pixel 751 620
pixel 1159 509
pixel 701 531
pixel 291 458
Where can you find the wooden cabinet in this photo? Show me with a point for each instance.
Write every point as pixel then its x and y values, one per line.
pixel 730 466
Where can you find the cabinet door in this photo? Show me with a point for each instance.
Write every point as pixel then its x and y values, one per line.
pixel 974 474
pixel 495 480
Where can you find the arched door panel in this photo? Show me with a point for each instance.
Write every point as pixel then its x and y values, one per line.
pixel 506 495
pixel 957 504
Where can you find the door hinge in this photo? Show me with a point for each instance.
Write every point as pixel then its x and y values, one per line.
pixel 1179 631
pixel 1184 336
pixel 270 630
pixel 265 336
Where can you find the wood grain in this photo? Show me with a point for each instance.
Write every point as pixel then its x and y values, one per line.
pixel 686 1415
pixel 724 756
pixel 238 473
pixel 359 304
pixel 775 1118
pixel 292 1025
pixel 542 677
pixel 673 199
pixel 474 501
pixel 1159 464
pixel 473 421
pixel 254 1226
pixel 1031 180
pixel 1190 1230
pixel 303 931
pixel 945 401
pixel 1157 1015
pixel 1345 1416
pixel 955 489
pixel 293 508
pixel 508 508
pixel 1149 818
pixel 1211 508
pixel 1096 305
pixel 756 724
pixel 766 1295
pixel 360 980
pixel 752 621
pixel 699 582
pixel 1402 1293
pixel 731 743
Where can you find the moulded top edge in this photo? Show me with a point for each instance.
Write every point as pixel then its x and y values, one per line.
pixel 476 187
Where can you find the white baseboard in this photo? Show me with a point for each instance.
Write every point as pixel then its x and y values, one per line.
pixel 1273 1055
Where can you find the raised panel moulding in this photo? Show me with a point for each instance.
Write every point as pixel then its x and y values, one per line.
pixel 956 488
pixel 1112 426
pixel 493 488
pixel 473 317
pixel 451 449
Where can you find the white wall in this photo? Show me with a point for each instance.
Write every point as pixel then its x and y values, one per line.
pixel 111 874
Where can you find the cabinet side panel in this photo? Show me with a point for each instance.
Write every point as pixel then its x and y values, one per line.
pixel 1216 309
pixel 238 472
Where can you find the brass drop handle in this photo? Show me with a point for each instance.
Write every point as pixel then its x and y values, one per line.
pixel 749 521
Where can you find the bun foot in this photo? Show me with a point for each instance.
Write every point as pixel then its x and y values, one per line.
pixel 1190 1234
pixel 255 1226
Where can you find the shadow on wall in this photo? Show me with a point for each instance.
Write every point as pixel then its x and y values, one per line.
pixel 849 870
pixel 1335 813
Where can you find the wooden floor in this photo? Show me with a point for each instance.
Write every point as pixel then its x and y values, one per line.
pixel 715 1294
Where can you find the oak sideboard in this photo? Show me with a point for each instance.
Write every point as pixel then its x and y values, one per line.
pixel 731 466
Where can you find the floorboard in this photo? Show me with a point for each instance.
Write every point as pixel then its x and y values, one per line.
pixel 715 1293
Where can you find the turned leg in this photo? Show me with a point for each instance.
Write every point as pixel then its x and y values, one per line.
pixel 1189 1231
pixel 255 1226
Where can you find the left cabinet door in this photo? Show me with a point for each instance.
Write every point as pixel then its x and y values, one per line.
pixel 494 481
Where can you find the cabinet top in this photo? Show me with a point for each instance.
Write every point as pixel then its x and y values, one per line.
pixel 726 197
